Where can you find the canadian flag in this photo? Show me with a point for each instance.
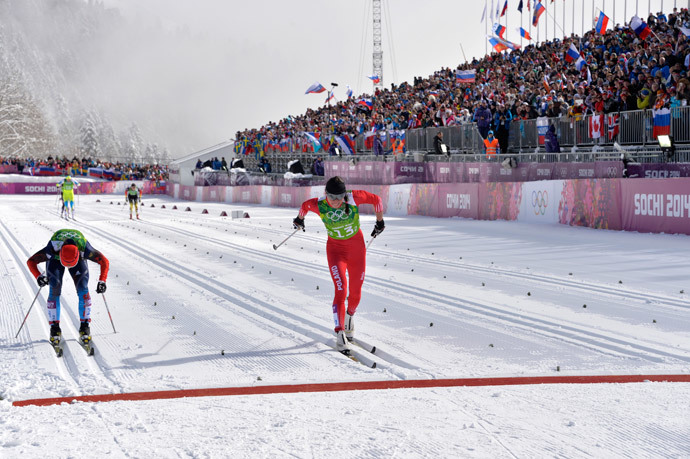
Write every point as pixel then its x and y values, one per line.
pixel 596 126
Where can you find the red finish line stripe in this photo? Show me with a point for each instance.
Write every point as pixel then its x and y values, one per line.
pixel 363 385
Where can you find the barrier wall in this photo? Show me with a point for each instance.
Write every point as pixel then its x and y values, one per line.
pixel 644 205
pixel 147 187
pixel 397 172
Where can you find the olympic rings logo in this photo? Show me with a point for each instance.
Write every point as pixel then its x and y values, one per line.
pixel 337 215
pixel 540 201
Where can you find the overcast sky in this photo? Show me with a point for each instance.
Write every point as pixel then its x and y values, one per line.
pixel 259 57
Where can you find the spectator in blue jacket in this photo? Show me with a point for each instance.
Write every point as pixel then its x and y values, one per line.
pixel 551 140
pixel 482 116
pixel 378 145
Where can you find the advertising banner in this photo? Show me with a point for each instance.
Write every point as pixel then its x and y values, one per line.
pixel 499 201
pixel 409 172
pixel 594 203
pixel 539 201
pixel 656 205
pixel 540 171
pixel 51 188
pixel 457 200
pixel 659 170
pixel 398 199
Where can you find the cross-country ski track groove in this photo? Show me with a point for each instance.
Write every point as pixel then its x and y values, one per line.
pixel 272 316
pixel 75 367
pixel 576 335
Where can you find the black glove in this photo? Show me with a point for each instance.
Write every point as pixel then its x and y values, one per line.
pixel 298 223
pixel 378 228
pixel 100 288
pixel 42 280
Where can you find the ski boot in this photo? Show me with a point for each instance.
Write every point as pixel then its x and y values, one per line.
pixel 349 327
pixel 130 216
pixel 85 333
pixel 341 343
pixel 55 335
pixel 138 217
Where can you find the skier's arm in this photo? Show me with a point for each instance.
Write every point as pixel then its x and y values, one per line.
pixel 36 258
pixel 94 255
pixel 309 205
pixel 364 197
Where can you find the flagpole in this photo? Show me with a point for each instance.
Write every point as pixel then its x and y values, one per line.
pixel 583 20
pixel 486 28
pixel 554 20
pixel 572 19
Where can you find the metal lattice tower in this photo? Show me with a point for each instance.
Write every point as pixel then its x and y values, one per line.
pixel 377 56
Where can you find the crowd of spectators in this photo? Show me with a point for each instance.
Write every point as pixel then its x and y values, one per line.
pixel 622 72
pixel 80 166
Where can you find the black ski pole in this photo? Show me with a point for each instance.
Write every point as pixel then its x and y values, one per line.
pixel 275 247
pixel 27 313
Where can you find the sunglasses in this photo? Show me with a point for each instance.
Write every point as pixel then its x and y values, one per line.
pixel 336 197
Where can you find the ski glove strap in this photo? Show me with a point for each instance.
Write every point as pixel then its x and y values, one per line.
pixel 42 280
pixel 378 228
pixel 100 288
pixel 298 223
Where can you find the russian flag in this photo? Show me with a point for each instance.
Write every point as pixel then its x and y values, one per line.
pixel 572 54
pixel 602 23
pixel 349 91
pixel 331 95
pixel 662 122
pixel 538 11
pixel 375 79
pixel 505 8
pixel 315 88
pixel 346 143
pixel 524 34
pixel 500 44
pixel 499 30
pixel 465 76
pixel 365 103
pixel 640 27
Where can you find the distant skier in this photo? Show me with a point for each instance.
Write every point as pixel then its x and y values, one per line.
pixel 68 248
pixel 133 195
pixel 345 248
pixel 67 187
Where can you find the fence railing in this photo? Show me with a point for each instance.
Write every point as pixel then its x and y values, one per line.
pixel 631 129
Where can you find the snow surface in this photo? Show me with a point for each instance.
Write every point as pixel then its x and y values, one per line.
pixel 504 298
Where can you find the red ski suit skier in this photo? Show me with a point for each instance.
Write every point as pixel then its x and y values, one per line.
pixel 345 248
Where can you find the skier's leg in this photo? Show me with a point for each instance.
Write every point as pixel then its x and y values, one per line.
pixel 356 267
pixel 80 276
pixel 337 267
pixel 54 271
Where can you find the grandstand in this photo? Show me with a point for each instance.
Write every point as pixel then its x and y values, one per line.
pixel 619 94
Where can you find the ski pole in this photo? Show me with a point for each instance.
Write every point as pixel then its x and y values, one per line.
pixel 275 247
pixel 27 313
pixel 108 309
pixel 369 243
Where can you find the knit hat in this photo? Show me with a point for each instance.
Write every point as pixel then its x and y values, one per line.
pixel 69 255
pixel 335 186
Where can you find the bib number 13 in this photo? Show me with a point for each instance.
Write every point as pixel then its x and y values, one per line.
pixel 345 231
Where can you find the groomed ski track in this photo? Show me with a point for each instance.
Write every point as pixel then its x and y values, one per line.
pixel 425 312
